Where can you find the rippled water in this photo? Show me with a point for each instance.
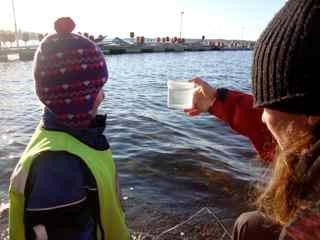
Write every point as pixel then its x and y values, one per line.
pixel 165 159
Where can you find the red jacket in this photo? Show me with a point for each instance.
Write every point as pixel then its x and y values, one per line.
pixel 235 108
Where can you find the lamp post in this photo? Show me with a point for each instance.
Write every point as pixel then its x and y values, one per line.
pixel 242 32
pixel 181 23
pixel 15 23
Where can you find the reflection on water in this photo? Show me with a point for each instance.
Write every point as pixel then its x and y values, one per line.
pixel 164 159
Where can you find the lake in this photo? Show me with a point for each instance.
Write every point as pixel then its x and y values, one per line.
pixel 170 165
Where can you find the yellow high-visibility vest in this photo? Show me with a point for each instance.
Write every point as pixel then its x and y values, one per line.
pixel 99 162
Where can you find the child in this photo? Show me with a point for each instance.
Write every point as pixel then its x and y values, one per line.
pixel 65 184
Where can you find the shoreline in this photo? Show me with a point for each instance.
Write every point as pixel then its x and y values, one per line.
pixel 202 224
pixel 27 54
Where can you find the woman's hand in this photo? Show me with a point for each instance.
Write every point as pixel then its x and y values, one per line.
pixel 203 97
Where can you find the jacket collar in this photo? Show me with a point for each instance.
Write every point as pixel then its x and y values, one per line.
pixel 91 136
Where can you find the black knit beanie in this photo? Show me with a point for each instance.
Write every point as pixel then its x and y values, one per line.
pixel 286 67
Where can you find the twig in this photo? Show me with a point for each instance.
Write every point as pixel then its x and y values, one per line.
pixel 226 232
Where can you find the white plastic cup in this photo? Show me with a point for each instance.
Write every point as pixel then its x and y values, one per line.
pixel 180 94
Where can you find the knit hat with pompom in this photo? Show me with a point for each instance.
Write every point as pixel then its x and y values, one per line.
pixel 69 71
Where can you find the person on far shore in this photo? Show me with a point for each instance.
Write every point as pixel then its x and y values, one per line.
pixel 65 185
pixel 282 120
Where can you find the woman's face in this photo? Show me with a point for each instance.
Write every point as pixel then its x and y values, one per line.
pixel 285 127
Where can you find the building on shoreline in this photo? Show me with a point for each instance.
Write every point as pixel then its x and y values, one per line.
pixel 144 45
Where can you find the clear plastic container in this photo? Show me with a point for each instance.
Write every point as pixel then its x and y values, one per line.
pixel 180 94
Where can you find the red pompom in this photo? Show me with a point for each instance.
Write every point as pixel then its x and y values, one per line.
pixel 64 25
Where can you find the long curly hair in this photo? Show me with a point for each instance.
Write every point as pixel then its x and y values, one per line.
pixel 294 180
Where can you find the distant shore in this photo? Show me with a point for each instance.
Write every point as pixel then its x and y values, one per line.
pixel 124 46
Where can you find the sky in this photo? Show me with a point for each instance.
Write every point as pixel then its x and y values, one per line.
pixel 227 19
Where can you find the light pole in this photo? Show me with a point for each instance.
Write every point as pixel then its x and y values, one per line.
pixel 15 22
pixel 181 23
pixel 242 32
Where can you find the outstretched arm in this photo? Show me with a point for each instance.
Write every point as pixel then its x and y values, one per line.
pixel 236 109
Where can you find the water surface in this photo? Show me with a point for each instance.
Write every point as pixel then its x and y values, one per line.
pixel 166 161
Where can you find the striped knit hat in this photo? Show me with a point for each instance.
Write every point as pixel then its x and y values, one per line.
pixel 69 71
pixel 286 60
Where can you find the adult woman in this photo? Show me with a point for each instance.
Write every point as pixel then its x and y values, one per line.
pixel 285 89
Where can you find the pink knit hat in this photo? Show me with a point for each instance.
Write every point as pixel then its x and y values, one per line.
pixel 69 71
